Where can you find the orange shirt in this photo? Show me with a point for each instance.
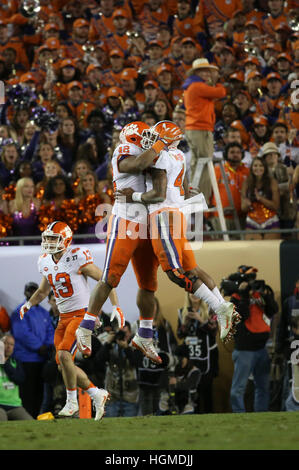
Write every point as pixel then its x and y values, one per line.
pixel 269 24
pixel 188 27
pixel 215 13
pixel 199 103
pixel 4 320
pixel 151 20
pixel 100 27
pixel 235 181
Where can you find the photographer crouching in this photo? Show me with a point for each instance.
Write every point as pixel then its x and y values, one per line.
pixel 255 302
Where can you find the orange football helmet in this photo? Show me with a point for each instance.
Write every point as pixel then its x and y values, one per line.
pixel 57 237
pixel 167 131
pixel 133 133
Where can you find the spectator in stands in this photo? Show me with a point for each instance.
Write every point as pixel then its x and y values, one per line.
pixel 236 173
pixel 289 155
pixel 68 140
pixel 44 155
pixel 161 109
pixel 287 210
pixel 51 169
pixel 256 305
pixel 200 91
pixel 34 338
pixel 261 200
pixel 24 209
pixel 259 135
pixel 9 158
pixel 11 376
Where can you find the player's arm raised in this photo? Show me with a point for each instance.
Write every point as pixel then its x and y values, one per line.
pixel 39 295
pixel 138 164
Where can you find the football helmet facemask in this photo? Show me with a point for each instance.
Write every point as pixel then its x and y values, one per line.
pixel 57 237
pixel 167 131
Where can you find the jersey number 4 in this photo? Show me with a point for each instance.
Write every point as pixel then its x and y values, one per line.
pixel 179 181
pixel 67 288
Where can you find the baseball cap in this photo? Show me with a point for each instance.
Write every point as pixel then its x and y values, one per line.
pixel 163 68
pixel 253 74
pixel 285 55
pixel 252 60
pixel 154 43
pixel 120 12
pixel 150 83
pixel 273 76
pixel 188 40
pixel 53 43
pixel 50 26
pixel 115 92
pixel 129 73
pixel 80 22
pixel 116 52
pixel 237 76
pixel 74 84
pixel 67 63
pixel 28 77
pixel 260 121
pixel 92 67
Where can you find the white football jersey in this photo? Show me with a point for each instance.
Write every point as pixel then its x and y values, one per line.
pixel 174 163
pixel 130 211
pixel 70 287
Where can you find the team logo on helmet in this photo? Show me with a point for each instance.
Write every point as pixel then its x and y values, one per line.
pixel 57 237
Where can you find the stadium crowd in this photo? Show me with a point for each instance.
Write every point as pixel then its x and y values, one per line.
pixel 76 72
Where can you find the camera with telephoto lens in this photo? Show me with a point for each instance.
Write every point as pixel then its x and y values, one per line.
pixel 230 285
pixel 120 335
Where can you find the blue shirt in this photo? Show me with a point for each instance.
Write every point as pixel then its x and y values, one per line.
pixel 34 331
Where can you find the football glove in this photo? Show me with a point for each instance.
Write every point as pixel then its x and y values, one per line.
pixel 118 314
pixel 27 306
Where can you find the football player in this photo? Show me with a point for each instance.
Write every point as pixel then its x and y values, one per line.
pixel 167 225
pixel 65 269
pixel 127 240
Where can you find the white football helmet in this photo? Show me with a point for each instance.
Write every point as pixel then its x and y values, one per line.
pixel 57 237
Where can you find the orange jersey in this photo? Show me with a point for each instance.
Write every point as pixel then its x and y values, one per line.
pixel 235 182
pixel 151 20
pixel 188 27
pixel 100 27
pixel 215 13
pixel 269 24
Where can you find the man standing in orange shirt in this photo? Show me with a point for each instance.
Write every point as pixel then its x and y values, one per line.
pixel 200 91
pixel 236 172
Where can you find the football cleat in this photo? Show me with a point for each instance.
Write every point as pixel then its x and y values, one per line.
pixel 99 402
pixel 146 346
pixel 69 410
pixel 83 336
pixel 227 318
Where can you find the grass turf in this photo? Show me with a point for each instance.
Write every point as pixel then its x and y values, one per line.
pixel 248 431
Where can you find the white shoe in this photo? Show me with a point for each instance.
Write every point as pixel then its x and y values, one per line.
pixel 99 402
pixel 228 318
pixel 83 336
pixel 188 409
pixel 70 409
pixel 146 346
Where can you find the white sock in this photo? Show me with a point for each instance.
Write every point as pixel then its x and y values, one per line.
pixel 92 391
pixel 217 294
pixel 146 324
pixel 71 395
pixel 204 293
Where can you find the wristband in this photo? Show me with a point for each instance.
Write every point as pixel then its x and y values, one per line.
pixel 158 146
pixel 28 305
pixel 136 197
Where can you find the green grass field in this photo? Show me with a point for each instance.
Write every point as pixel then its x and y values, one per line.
pixel 248 431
